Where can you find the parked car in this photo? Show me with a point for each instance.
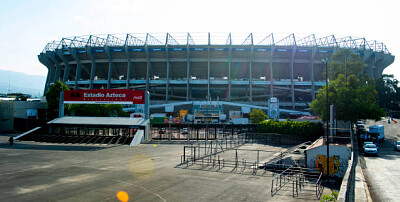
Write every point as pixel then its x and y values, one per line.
pixel 360 126
pixel 184 131
pixel 365 143
pixel 162 131
pixel 371 149
pixel 397 145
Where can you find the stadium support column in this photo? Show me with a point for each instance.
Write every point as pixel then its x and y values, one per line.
pixel 58 71
pixel 51 57
pixel 375 65
pixel 188 70
pixel 128 71
pixel 49 76
pixel 271 72
pixel 168 71
pixel 93 69
pixel 230 71
pixel 146 48
pixel 251 72
pixel 147 69
pixel 67 68
pixel 78 69
pixel 291 77
pixel 312 73
pixel 50 66
pixel 110 66
pixel 208 68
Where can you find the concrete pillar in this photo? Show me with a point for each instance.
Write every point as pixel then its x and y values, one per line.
pixel 312 73
pixel 60 54
pixel 188 72
pixel 43 58
pixel 251 74
pixel 291 78
pixel 168 71
pixel 148 67
pixel 78 68
pixel 51 57
pixel 93 68
pixel 110 66
pixel 230 72
pixel 271 77
pixel 208 69
pixel 128 71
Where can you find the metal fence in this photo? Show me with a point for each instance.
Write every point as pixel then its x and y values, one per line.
pixel 200 150
pixel 300 178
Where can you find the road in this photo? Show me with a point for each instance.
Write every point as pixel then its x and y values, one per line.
pixel 383 172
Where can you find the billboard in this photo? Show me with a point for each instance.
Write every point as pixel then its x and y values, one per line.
pixel 104 96
pixel 273 108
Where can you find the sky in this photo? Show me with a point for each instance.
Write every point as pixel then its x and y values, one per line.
pixel 27 26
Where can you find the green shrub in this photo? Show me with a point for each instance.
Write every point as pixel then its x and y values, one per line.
pixel 330 197
pixel 306 128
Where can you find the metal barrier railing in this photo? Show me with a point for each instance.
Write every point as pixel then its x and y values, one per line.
pixel 299 178
pixel 277 184
pixel 318 187
pixel 210 148
pixel 298 183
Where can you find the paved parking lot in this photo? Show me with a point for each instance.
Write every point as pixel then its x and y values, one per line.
pixel 32 171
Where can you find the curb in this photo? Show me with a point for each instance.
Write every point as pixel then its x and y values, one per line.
pixel 369 199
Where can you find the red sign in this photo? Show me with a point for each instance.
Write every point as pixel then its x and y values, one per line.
pixel 104 96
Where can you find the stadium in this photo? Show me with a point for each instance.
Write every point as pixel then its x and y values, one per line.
pixel 242 70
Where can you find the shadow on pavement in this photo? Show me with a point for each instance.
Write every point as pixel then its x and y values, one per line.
pixel 19 145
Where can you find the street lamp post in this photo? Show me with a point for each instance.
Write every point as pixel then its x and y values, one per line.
pixel 327 116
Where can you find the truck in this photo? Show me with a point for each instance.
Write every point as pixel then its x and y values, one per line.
pixel 380 129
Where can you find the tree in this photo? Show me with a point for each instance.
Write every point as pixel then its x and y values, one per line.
pixel 353 100
pixel 53 98
pixel 388 91
pixel 347 63
pixel 100 110
pixel 257 115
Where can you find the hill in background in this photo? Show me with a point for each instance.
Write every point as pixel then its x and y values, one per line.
pixel 17 82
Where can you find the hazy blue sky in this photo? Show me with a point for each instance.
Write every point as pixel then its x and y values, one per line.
pixel 27 26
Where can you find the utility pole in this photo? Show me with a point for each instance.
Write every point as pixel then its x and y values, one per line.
pixel 327 116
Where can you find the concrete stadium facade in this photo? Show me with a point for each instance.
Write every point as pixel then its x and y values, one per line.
pixel 181 67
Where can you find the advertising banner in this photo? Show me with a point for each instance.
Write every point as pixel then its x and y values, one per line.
pixel 104 96
pixel 182 113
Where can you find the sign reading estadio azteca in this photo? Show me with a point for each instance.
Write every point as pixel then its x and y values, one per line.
pixel 104 96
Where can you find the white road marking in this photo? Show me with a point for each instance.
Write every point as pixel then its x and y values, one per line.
pixel 155 194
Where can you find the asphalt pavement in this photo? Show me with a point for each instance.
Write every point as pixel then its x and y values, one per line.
pixel 31 171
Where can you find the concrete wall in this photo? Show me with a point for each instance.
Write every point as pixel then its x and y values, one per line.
pixel 339 158
pixel 16 109
pixel 20 108
pixel 6 116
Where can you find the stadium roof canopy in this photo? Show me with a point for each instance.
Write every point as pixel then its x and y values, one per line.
pixel 188 39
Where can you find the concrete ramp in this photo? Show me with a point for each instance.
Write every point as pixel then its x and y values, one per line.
pixel 26 133
pixel 139 138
